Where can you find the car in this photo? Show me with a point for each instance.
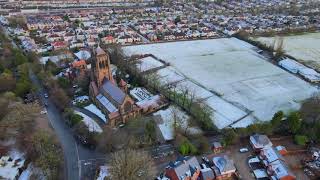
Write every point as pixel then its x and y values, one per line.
pixel 243 150
pixel 205 159
pixel 260 51
pixel 43 112
pixel 45 95
pixel 85 141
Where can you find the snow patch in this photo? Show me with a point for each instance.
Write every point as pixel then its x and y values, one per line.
pixel 90 123
pixel 92 108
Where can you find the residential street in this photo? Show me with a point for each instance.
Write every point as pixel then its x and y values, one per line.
pixel 75 155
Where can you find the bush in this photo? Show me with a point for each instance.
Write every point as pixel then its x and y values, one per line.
pixel 276 119
pixel 186 148
pixel 75 119
pixel 295 122
pixel 151 130
pixel 229 136
pixel 63 82
pixel 22 87
pixel 301 139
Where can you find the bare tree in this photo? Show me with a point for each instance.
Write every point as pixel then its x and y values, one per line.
pixel 279 47
pixel 19 121
pixel 131 164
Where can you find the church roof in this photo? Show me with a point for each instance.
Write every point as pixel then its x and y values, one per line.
pixel 100 51
pixel 115 92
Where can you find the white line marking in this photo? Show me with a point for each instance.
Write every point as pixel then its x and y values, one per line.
pixel 77 151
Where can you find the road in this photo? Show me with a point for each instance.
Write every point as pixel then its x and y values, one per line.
pixel 80 162
pixel 75 155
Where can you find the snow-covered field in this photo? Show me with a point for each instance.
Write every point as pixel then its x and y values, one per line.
pixel 305 48
pixel 231 68
pixel 148 63
pixel 166 126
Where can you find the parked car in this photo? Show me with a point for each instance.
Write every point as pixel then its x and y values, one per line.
pixel 85 141
pixel 43 112
pixel 243 150
pixel 45 95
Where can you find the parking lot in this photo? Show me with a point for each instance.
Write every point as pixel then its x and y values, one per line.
pixel 241 159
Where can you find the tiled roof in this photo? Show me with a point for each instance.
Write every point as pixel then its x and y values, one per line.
pixel 115 92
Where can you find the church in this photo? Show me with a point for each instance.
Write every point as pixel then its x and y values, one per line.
pixel 110 98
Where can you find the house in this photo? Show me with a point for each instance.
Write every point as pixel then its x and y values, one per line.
pixel 207 174
pixel 183 169
pixel 147 102
pixel 259 142
pixel 59 45
pixel 223 167
pixel 282 150
pixel 216 147
pixel 80 65
pixel 269 155
pixel 109 98
pixel 109 40
pixel 280 171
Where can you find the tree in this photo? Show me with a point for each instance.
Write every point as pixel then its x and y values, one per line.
pixel 59 98
pixel 310 110
pixel 105 140
pixel 229 136
pixel 151 130
pixel 19 117
pixel 187 148
pixel 19 57
pixel 47 154
pixel 295 122
pixel 204 145
pixel 301 139
pixel 7 81
pixel 279 47
pixel 72 117
pixel 276 119
pixel 131 164
pixel 63 82
pixel 22 87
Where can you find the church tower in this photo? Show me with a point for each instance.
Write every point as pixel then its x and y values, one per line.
pixel 103 69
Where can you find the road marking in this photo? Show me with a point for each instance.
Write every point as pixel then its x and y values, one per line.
pixel 79 166
pixel 77 151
